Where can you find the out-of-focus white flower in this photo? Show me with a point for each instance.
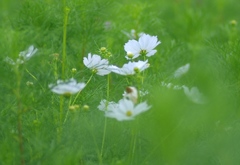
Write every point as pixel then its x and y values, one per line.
pixel 96 64
pixel 182 70
pixel 106 105
pixel 177 87
pixel 67 87
pixel 171 86
pixel 131 93
pixel 143 93
pixel 27 54
pixel 10 61
pixel 23 56
pixel 194 95
pixel 144 46
pixel 132 34
pixel 126 110
pixel 130 68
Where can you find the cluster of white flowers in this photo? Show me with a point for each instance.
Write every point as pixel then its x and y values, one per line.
pixel 23 56
pixel 126 108
pixel 145 46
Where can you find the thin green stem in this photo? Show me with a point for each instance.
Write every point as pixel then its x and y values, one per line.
pixel 34 78
pixel 19 115
pixel 105 119
pixel 64 54
pixel 80 91
pixel 67 111
pixel 161 142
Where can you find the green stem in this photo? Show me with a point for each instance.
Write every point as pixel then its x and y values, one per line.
pixel 64 54
pixel 161 142
pixel 133 143
pixel 67 111
pixel 80 91
pixel 34 78
pixel 105 119
pixel 19 115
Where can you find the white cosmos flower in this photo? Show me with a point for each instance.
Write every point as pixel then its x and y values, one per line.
pixel 27 54
pixel 144 46
pixel 126 110
pixel 96 64
pixel 67 87
pixel 131 93
pixel 130 68
pixel 194 95
pixel 182 70
pixel 106 105
pixel 23 56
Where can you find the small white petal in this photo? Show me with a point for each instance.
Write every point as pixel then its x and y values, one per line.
pixel 94 62
pixel 194 95
pixel 66 87
pixel 181 71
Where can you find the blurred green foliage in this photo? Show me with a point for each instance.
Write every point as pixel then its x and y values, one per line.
pixel 175 131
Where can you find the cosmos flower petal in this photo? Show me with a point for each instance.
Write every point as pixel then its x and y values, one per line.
pixel 194 95
pixel 94 62
pixel 66 87
pixel 126 110
pixel 181 70
pixel 146 43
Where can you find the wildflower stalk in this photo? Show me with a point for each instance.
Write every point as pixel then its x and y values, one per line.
pixel 34 78
pixel 105 118
pixel 135 131
pixel 67 111
pixel 133 143
pixel 64 54
pixel 65 20
pixel 80 91
pixel 19 116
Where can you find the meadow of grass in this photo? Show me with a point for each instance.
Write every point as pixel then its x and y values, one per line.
pixel 174 131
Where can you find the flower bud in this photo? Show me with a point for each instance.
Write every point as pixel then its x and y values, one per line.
pixel 85 107
pixel 130 55
pixel 74 70
pixel 29 83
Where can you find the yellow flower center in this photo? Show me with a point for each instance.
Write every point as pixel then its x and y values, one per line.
pixel 136 70
pixel 129 113
pixel 67 94
pixel 94 71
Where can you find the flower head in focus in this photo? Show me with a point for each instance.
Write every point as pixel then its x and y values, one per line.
pixel 67 88
pixel 130 68
pixel 96 64
pixel 144 46
pixel 131 93
pixel 126 110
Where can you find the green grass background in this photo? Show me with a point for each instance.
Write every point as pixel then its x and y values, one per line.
pixel 174 132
